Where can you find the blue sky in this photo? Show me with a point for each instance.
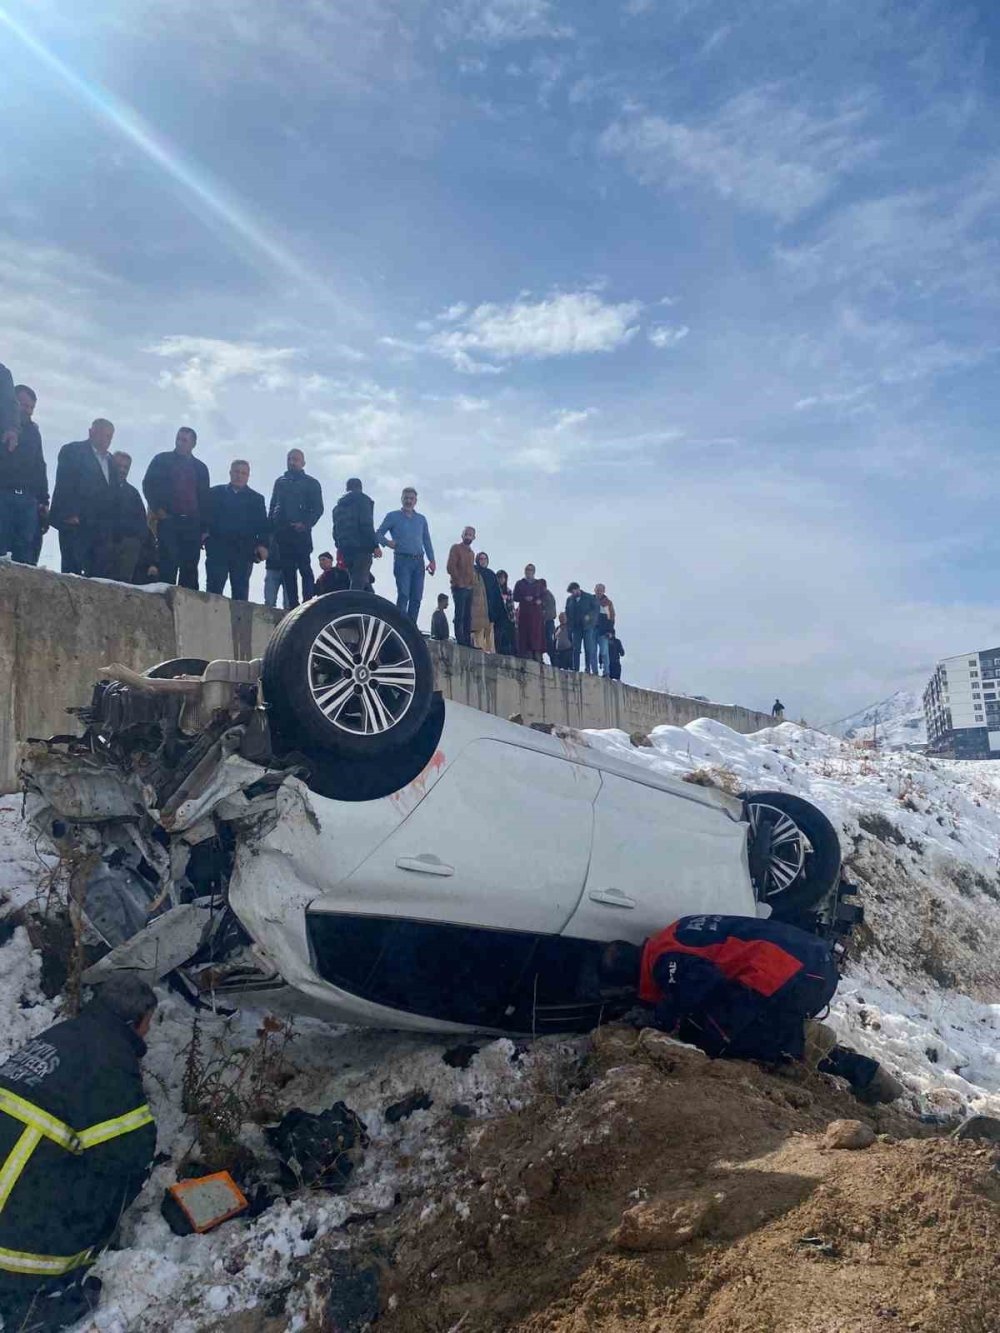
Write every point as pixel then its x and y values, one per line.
pixel 695 297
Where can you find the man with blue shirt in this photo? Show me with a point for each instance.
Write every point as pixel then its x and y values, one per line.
pixel 410 540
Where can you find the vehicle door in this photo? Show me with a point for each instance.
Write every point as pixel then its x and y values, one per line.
pixel 657 855
pixel 502 841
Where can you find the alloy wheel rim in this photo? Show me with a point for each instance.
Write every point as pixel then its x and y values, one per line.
pixel 361 674
pixel 787 855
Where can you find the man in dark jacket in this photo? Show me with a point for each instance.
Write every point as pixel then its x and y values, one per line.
pixel 743 988
pixel 81 502
pixel 582 611
pixel 237 533
pixel 24 486
pixel 132 553
pixel 9 417
pixel 296 508
pixel 176 487
pixel 354 533
pixel 77 1140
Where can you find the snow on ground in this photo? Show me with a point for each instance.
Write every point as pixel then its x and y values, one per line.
pixel 921 838
pixel 897 722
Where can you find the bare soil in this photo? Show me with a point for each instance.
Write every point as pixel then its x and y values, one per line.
pixel 739 1219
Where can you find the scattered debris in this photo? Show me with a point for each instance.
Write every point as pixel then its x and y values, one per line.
pixel 202 1204
pixel 318 1150
pixel 354 1296
pixel 462 1055
pixel 417 1100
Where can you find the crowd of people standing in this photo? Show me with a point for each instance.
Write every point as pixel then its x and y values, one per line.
pixel 108 529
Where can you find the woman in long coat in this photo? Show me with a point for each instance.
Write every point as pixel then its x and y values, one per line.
pixel 530 620
pixel 506 628
pixel 487 605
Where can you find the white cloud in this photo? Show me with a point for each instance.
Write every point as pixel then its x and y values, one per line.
pixel 564 324
pixel 759 150
pixel 208 364
pixel 499 22
pixel 666 335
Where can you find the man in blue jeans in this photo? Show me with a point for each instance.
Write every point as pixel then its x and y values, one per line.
pixel 581 615
pixel 410 541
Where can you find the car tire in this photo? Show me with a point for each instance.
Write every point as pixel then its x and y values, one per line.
pixel 794 852
pixel 177 666
pixel 349 673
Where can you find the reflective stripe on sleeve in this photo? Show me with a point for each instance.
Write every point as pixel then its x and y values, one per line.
pixel 111 1129
pixel 48 1265
pixel 17 1160
pixel 29 1114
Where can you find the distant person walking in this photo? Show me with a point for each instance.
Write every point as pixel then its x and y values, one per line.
pixel 176 487
pixel 409 539
pixel 488 609
pixel 24 486
pixel 461 571
pixel 354 533
pixel 439 620
pixel 605 628
pixel 505 631
pixel 530 621
pixel 132 551
pixel 296 508
pixel 582 612
pixel 81 501
pixel 237 533
pixel 778 711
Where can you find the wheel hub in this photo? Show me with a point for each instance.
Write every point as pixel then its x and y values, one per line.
pixel 361 674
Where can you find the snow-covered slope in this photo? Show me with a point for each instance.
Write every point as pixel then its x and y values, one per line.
pixel 898 722
pixel 921 837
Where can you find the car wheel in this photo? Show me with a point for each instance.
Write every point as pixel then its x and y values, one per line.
pixel 794 852
pixel 349 673
pixel 178 666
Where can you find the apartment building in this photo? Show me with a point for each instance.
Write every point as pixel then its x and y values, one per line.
pixel 962 708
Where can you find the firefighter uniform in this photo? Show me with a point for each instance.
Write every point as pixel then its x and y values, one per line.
pixel 76 1142
pixel 737 986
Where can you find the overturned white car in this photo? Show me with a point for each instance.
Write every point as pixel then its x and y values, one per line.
pixel 319 829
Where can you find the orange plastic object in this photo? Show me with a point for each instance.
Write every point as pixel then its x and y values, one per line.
pixel 208 1200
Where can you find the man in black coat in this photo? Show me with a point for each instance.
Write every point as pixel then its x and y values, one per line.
pixel 81 502
pixel 237 533
pixel 132 554
pixel 24 486
pixel 176 487
pixel 9 419
pixel 354 533
pixel 296 508
pixel 77 1139
pixel 582 612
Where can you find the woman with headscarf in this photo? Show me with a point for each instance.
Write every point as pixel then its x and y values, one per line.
pixel 487 605
pixel 530 621
pixel 505 629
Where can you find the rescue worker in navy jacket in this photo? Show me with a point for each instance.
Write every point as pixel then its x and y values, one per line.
pixel 77 1139
pixel 745 988
pixel 296 508
pixel 237 533
pixel 176 487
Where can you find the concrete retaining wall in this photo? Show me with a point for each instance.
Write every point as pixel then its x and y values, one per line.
pixel 57 630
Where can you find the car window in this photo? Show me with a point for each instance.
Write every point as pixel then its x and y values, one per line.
pixel 454 973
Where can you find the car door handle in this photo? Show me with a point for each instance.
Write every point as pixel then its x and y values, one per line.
pixel 612 898
pixel 426 864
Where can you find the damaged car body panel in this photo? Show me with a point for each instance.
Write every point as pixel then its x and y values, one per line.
pixel 323 829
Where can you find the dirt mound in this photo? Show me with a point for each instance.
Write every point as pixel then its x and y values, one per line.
pixel 676 1193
